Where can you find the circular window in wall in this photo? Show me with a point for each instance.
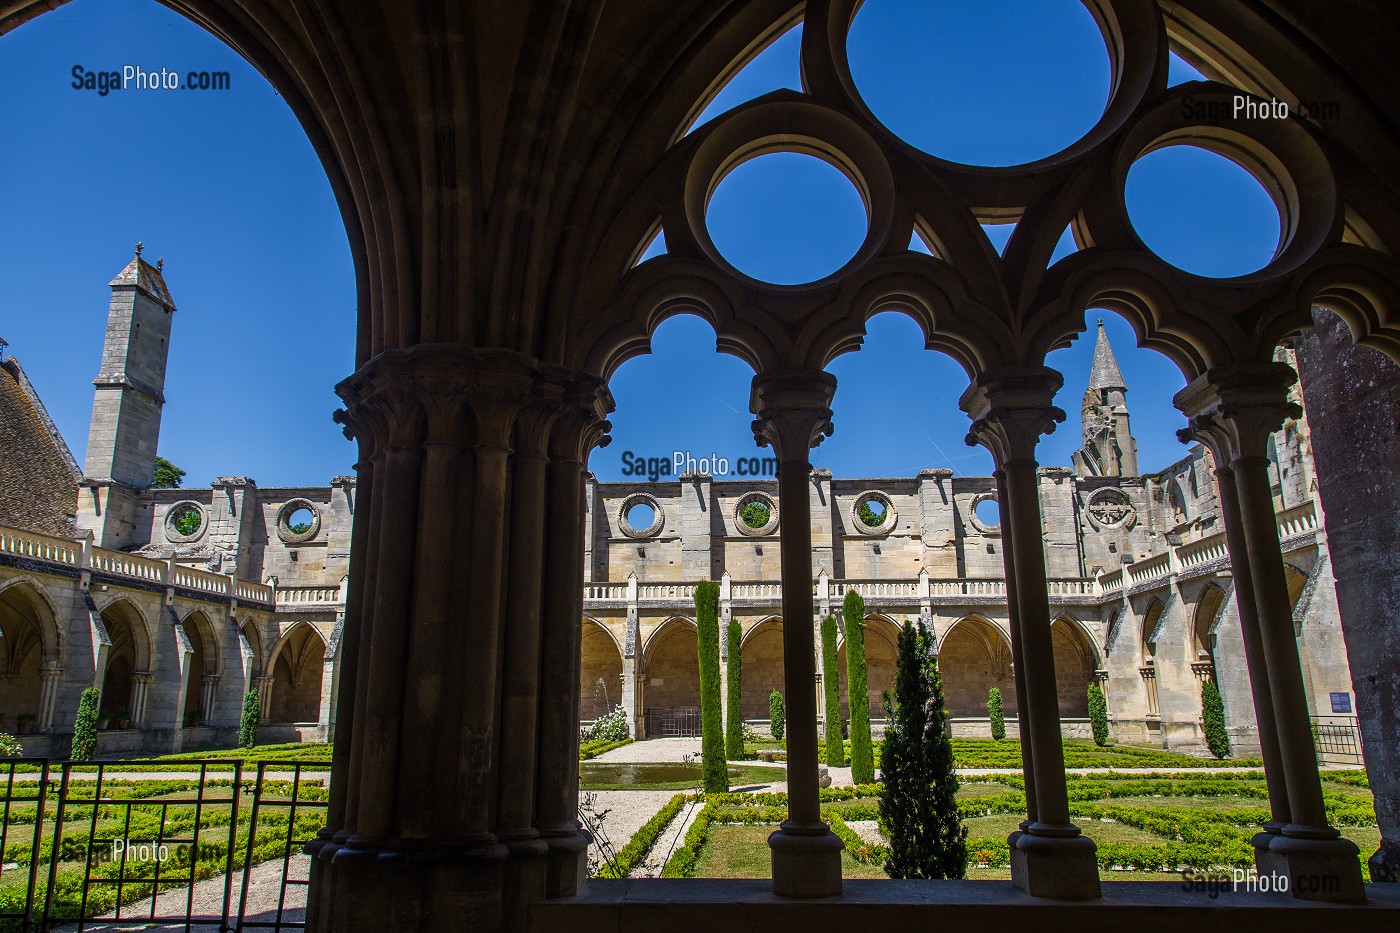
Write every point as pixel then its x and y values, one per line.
pixel 986 514
pixel 756 513
pixel 1110 508
pixel 298 521
pixel 185 521
pixel 640 516
pixel 873 513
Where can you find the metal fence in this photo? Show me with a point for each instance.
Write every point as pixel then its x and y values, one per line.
pixel 672 723
pixel 148 842
pixel 1338 739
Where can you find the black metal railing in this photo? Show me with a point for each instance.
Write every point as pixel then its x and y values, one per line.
pixel 672 723
pixel 155 842
pixel 1338 739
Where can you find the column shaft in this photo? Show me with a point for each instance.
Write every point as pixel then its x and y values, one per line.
pixel 1018 669
pixel 799 671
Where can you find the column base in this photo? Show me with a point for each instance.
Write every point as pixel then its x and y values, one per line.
pixel 1385 862
pixel 566 864
pixel 1061 867
pixel 806 861
pixel 1316 869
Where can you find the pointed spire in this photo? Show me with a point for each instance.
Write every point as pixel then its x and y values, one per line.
pixel 148 278
pixel 1105 373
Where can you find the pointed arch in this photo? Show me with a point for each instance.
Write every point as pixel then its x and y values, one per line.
pixel 298 666
pixel 125 621
pixel 881 663
pixel 762 650
pixel 1208 606
pixel 28 640
pixel 600 671
pixel 1076 659
pixel 1151 622
pixel 30 597
pixel 671 668
pixel 974 656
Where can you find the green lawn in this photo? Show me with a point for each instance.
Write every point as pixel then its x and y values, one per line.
pixel 736 851
pixel 1001 825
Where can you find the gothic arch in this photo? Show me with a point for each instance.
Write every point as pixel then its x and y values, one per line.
pixel 600 671
pixel 23 594
pixel 1208 606
pixel 881 664
pixel 126 617
pixel 297 668
pixel 1151 622
pixel 974 655
pixel 1076 659
pixel 671 667
pixel 762 652
pixel 27 638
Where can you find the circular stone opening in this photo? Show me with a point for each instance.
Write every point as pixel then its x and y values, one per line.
pixel 786 218
pixel 1201 212
pixel 756 514
pixel 641 515
pixel 988 512
pixel 186 520
pixel 998 82
pixel 299 522
pixel 873 513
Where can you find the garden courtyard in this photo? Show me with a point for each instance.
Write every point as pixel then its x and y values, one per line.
pixel 1154 815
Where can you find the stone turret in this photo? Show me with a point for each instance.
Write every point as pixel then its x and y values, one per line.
pixel 1109 448
pixel 127 402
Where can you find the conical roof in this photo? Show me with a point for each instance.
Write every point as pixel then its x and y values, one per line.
pixel 146 277
pixel 1105 373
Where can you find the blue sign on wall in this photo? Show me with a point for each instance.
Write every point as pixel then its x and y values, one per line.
pixel 1341 702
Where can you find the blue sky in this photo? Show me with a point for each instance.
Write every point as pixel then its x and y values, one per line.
pixel 225 187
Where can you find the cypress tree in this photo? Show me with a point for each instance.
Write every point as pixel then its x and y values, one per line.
pixel 996 714
pixel 85 726
pixel 918 802
pixel 713 764
pixel 862 755
pixel 1213 715
pixel 248 725
pixel 734 726
pixel 831 687
pixel 1098 715
pixel 776 714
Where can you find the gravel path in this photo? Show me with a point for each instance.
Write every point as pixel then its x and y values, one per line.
pixel 627 811
pixel 668 841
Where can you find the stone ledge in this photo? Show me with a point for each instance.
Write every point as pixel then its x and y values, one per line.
pixel 749 906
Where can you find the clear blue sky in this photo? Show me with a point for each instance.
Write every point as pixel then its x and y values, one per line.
pixel 225 186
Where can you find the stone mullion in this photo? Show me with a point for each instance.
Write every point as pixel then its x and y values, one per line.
pixel 579 428
pixel 1010 410
pixel 386 673
pixel 792 415
pixel 1234 410
pixel 494 411
pixel 521 684
pixel 1253 651
pixel 430 679
pixel 1018 669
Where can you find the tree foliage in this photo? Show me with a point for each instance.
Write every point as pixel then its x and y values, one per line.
pixel 248 724
pixel 713 764
pixel 918 799
pixel 167 475
pixel 85 726
pixel 869 516
pixel 995 714
pixel 776 715
pixel 831 687
pixel 862 754
pixel 1098 714
pixel 734 720
pixel 1213 715
pixel 756 514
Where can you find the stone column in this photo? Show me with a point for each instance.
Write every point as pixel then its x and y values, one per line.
pixel 264 687
pixel 458 757
pixel 209 689
pixel 140 694
pixel 1009 411
pixel 1233 410
pixel 793 414
pixel 50 676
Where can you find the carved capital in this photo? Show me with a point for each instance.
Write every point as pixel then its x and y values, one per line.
pixel 581 423
pixel 1010 410
pixel 792 412
pixel 1232 410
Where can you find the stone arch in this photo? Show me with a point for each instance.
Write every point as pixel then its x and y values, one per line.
pixel 298 665
pixel 1075 662
pixel 881 664
pixel 26 618
pixel 45 616
pixel 1203 625
pixel 672 668
pixel 973 657
pixel 204 661
pixel 1297 583
pixel 129 652
pixel 600 671
pixel 762 650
